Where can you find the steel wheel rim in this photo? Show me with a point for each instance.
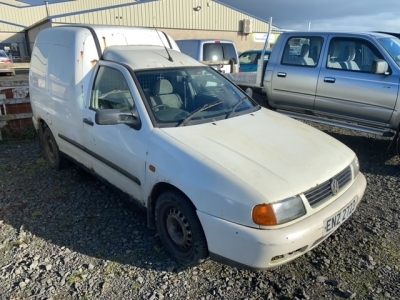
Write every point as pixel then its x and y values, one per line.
pixel 179 229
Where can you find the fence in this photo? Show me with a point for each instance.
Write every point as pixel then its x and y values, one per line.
pixel 15 107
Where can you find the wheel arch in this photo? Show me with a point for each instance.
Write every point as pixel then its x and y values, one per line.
pixel 157 190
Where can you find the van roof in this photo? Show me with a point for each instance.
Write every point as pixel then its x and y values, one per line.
pixel 148 57
pixel 105 36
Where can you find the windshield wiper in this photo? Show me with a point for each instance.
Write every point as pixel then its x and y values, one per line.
pixel 197 111
pixel 234 108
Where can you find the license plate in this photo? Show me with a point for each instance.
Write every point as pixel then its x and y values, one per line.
pixel 333 222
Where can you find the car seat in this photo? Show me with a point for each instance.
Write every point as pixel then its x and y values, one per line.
pixel 162 94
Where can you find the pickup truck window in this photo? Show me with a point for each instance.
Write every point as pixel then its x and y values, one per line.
pixel 172 94
pixel 392 46
pixel 352 55
pixel 111 91
pixel 302 51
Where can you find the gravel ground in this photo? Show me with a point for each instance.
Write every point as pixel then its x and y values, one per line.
pixel 64 235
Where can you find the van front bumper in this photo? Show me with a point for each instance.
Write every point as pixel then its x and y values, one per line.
pixel 258 249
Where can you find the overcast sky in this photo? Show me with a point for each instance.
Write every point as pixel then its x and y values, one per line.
pixel 381 15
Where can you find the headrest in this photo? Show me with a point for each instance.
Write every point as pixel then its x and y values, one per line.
pixel 305 48
pixel 349 53
pixel 162 87
pixel 334 50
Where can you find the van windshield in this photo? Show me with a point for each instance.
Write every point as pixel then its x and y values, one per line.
pixel 392 46
pixel 218 51
pixel 201 92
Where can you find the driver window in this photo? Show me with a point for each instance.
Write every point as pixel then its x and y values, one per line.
pixel 111 91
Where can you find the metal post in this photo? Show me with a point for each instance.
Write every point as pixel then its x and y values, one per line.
pixel 46 3
pixel 260 63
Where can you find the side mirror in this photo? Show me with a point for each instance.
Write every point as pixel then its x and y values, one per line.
pixel 380 66
pixel 114 116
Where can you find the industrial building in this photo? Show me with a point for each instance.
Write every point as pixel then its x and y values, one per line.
pixel 183 19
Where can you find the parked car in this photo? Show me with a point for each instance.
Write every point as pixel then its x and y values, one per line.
pixel 218 175
pixel 5 63
pixel 219 54
pixel 248 60
pixel 344 79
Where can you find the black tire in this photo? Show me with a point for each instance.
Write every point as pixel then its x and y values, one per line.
pixel 180 229
pixel 51 151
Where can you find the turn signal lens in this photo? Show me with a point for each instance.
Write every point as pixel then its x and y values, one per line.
pixel 263 214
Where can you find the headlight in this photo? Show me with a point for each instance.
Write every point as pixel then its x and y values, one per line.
pixel 278 213
pixel 355 165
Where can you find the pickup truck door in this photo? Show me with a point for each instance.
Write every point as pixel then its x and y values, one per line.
pixel 349 90
pixel 295 75
pixel 117 152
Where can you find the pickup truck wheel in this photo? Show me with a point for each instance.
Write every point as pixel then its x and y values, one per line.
pixel 180 230
pixel 51 151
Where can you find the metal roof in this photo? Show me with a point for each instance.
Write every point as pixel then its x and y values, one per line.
pixel 148 57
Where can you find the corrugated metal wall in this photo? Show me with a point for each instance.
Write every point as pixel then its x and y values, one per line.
pixel 10 28
pixel 178 14
pixel 27 16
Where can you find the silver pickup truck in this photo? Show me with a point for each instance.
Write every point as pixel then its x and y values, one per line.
pixel 344 79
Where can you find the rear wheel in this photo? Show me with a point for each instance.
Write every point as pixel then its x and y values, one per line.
pixel 180 229
pixel 51 151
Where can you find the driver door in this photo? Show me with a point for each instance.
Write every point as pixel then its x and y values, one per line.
pixel 117 151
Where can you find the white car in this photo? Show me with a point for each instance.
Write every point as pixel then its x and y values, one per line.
pixel 5 63
pixel 218 175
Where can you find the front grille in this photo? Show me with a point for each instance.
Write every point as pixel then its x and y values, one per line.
pixel 323 191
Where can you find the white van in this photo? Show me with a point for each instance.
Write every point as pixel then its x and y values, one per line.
pixel 218 175
pixel 220 54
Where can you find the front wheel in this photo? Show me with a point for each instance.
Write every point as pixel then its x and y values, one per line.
pixel 51 151
pixel 180 229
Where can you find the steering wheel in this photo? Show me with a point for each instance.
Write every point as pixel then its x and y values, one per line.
pixel 158 106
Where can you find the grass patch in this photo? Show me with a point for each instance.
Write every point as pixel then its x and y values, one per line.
pixel 36 213
pixel 76 277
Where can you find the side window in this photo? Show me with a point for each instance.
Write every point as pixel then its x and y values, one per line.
pixel 111 91
pixel 352 55
pixel 302 51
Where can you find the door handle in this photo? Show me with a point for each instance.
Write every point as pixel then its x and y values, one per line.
pixel 281 74
pixel 87 121
pixel 330 79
